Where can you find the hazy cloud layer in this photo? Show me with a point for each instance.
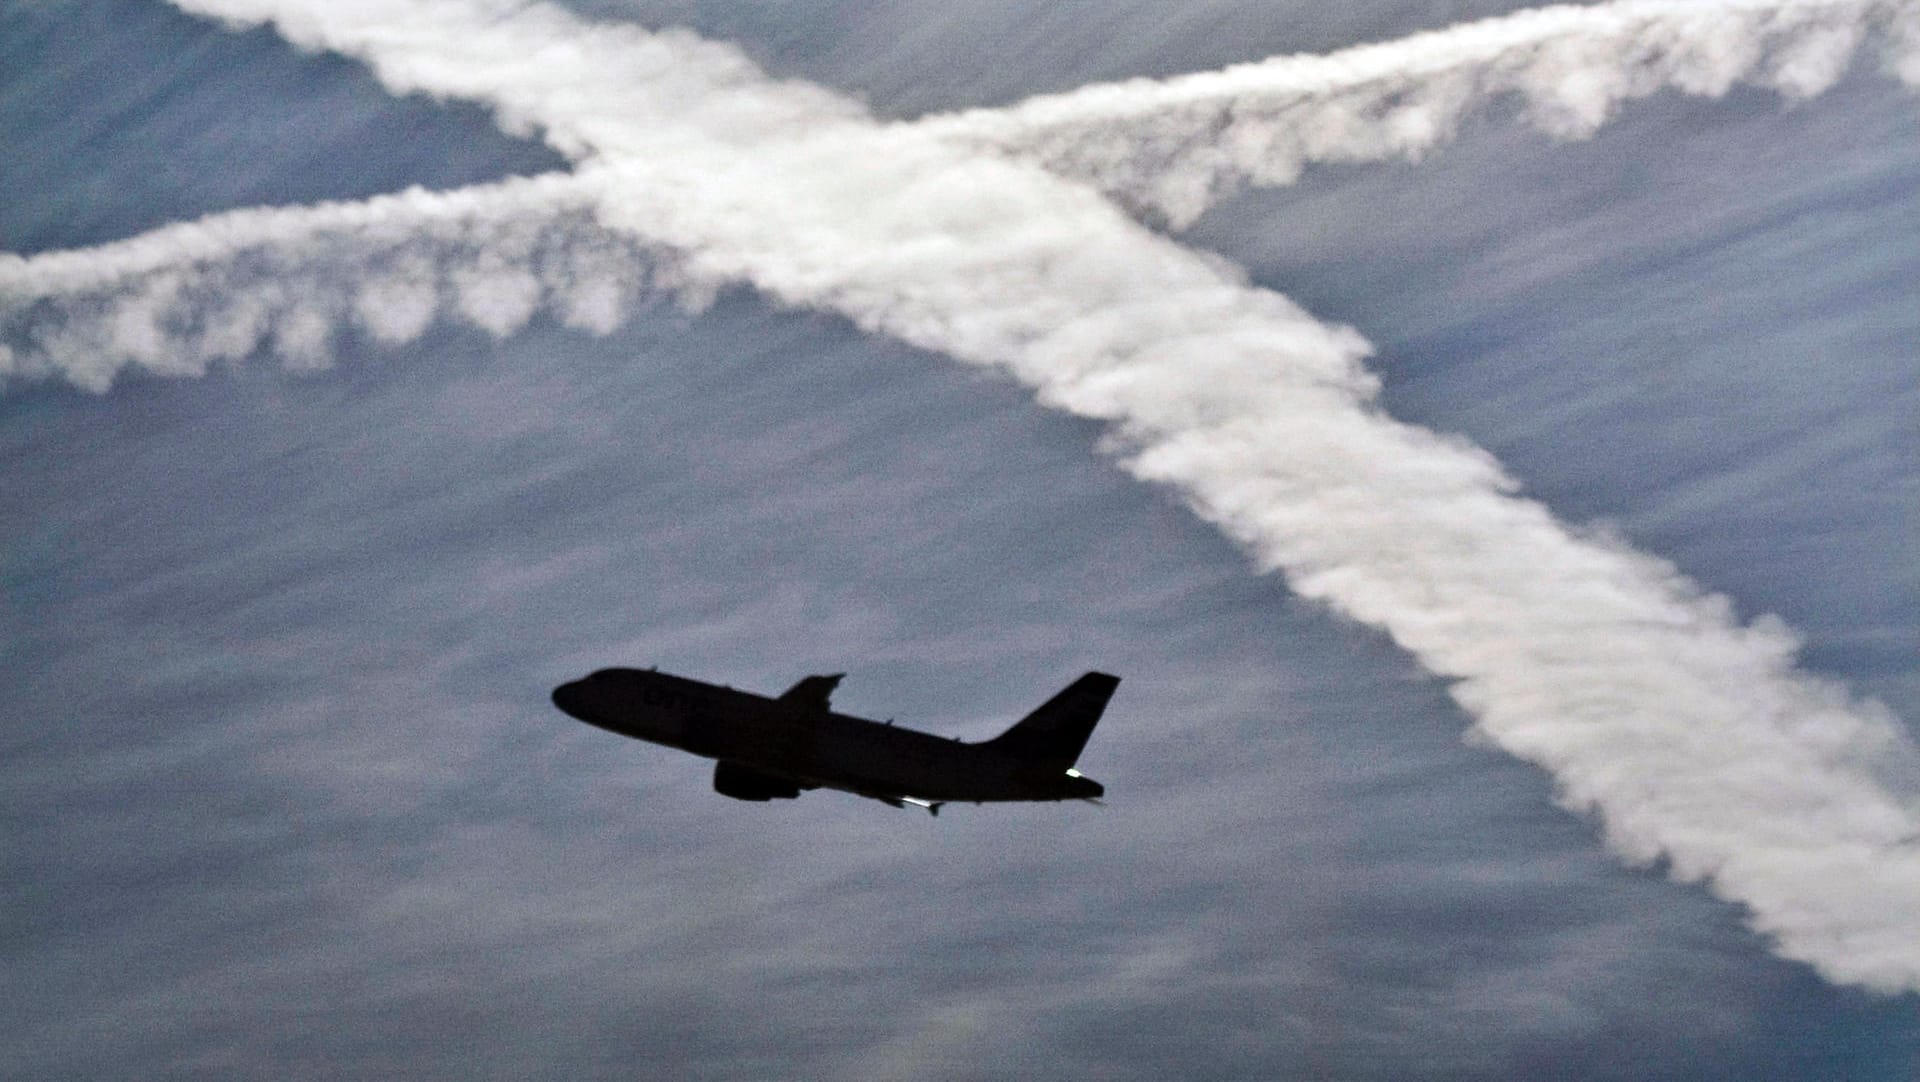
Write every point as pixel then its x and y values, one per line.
pixel 319 817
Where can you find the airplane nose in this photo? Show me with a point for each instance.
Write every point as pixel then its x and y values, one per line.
pixel 567 698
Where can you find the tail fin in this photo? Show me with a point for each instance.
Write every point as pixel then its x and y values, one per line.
pixel 1055 733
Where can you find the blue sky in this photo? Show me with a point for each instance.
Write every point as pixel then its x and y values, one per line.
pixel 284 794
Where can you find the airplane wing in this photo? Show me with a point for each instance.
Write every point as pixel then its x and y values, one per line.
pixel 813 692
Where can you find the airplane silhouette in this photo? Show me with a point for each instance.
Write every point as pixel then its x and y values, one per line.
pixel 774 749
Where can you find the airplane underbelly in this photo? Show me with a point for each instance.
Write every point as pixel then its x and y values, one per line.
pixel 916 772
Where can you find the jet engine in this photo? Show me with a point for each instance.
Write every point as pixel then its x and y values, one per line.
pixel 745 783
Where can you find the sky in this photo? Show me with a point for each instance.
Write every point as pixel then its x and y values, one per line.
pixel 1517 626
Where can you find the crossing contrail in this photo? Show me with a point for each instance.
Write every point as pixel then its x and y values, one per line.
pixel 173 301
pixel 1690 736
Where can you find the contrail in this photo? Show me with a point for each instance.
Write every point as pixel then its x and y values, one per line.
pixel 1690 736
pixel 180 298
pixel 1171 148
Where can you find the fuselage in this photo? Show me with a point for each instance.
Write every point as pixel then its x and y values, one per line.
pixel 813 747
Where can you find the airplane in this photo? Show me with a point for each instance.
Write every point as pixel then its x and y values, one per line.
pixel 777 748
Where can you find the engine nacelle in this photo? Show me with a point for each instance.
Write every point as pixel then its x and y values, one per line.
pixel 745 783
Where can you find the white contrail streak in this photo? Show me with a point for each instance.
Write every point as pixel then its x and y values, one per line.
pixel 1690 736
pixel 179 299
pixel 1170 148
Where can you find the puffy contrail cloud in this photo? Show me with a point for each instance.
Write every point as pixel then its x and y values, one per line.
pixel 181 298
pixel 1171 148
pixel 1690 736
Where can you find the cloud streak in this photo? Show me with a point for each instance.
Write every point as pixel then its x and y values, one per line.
pixel 1171 148
pixel 1692 737
pixel 288 280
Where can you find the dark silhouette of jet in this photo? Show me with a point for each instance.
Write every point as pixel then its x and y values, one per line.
pixel 773 749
